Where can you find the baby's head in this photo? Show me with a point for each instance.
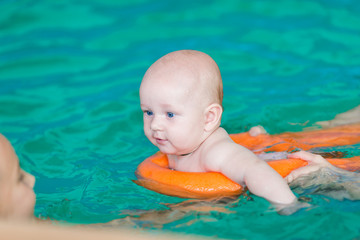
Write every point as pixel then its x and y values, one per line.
pixel 181 96
pixel 17 198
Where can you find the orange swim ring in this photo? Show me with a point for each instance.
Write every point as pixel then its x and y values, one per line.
pixel 154 173
pixel 289 141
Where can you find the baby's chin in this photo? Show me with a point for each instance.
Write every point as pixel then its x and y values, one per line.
pixel 166 151
pixel 170 152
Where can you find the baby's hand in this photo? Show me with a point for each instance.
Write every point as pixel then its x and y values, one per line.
pixel 315 162
pixel 257 130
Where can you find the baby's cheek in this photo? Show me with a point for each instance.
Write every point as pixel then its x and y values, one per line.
pixel 146 128
pixel 147 134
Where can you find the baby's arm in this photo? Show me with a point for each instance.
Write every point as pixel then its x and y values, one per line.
pixel 243 167
pixel 265 182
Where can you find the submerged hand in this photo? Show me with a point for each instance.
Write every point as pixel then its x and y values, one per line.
pixel 288 209
pixel 315 162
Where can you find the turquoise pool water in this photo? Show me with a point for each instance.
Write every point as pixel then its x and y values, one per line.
pixel 69 78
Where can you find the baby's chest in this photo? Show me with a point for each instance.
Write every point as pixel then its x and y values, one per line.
pixel 189 165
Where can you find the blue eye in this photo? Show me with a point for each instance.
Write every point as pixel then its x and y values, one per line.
pixel 149 113
pixel 170 115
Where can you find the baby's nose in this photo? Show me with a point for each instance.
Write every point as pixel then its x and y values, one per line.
pixel 156 124
pixel 29 180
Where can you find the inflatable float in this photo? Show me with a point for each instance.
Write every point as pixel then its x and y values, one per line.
pixel 154 174
pixel 289 141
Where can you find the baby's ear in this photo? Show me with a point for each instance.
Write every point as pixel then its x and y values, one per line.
pixel 212 116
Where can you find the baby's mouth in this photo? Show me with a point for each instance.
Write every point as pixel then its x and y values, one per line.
pixel 160 141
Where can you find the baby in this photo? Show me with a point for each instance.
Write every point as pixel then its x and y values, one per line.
pixel 17 198
pixel 181 97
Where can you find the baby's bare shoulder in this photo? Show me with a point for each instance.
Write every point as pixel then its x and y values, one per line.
pixel 217 141
pixel 219 149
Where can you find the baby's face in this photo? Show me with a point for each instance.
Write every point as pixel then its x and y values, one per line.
pixel 17 198
pixel 173 115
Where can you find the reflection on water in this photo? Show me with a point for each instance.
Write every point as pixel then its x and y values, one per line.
pixel 181 214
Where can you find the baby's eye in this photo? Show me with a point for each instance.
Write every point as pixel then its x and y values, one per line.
pixel 170 114
pixel 149 113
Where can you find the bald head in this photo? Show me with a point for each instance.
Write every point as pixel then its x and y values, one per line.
pixel 194 69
